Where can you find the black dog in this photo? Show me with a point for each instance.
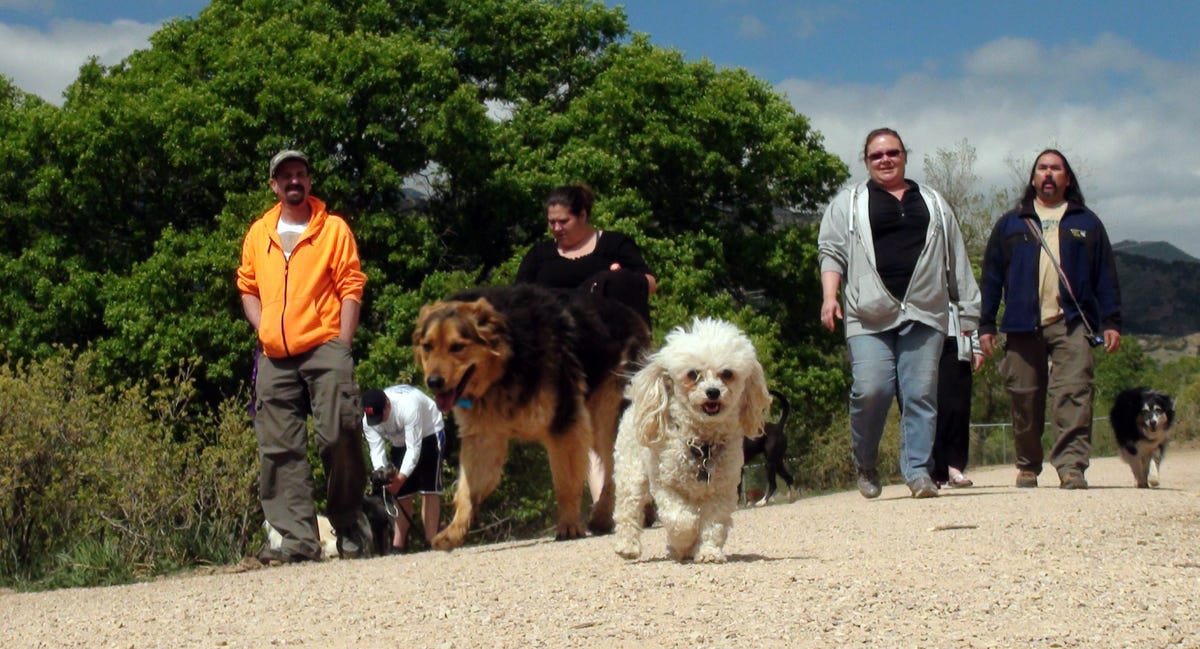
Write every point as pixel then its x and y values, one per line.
pixel 377 507
pixel 1141 419
pixel 381 523
pixel 772 445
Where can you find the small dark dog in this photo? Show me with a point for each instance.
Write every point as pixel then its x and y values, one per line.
pixel 772 445
pixel 1141 419
pixel 376 507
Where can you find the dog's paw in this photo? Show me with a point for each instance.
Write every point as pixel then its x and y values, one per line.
pixel 569 531
pixel 711 555
pixel 601 521
pixel 628 548
pixel 449 539
pixel 600 528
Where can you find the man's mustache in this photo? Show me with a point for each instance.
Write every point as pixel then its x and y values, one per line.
pixel 294 187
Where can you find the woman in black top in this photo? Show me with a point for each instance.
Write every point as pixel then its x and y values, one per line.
pixel 580 256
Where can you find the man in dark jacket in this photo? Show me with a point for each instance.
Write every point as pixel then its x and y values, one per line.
pixel 1051 263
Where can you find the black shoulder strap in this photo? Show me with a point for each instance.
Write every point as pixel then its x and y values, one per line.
pixel 1037 234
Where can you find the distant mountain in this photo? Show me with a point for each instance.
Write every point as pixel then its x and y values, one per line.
pixel 1160 289
pixel 1160 250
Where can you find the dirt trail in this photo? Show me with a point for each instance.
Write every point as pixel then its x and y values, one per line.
pixel 989 566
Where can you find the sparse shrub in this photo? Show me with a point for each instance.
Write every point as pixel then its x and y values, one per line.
pixel 108 485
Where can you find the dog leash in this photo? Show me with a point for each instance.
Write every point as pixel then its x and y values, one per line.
pixel 390 505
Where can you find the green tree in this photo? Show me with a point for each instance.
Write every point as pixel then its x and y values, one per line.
pixel 436 127
pixel 952 172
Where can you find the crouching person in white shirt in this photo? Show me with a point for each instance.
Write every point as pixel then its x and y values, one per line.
pixel 410 422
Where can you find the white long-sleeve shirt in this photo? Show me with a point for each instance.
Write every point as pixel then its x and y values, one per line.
pixel 412 419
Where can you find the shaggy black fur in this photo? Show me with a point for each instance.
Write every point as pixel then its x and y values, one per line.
pixel 586 334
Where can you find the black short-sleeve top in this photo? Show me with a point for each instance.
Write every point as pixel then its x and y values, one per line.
pixel 543 265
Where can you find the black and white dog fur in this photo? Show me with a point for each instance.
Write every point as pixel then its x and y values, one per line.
pixel 1141 419
pixel 772 445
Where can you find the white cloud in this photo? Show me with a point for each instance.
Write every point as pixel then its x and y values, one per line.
pixel 46 62
pixel 1004 57
pixel 751 28
pixel 806 18
pixel 1121 116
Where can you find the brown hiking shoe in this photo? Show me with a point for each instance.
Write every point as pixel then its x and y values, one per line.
pixel 1072 479
pixel 277 557
pixel 1027 479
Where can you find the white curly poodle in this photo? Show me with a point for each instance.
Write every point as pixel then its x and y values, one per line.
pixel 680 440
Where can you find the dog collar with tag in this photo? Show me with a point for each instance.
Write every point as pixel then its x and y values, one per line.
pixel 703 453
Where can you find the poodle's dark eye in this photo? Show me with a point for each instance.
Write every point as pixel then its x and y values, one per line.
pixel 726 375
pixel 426 347
pixel 457 347
pixel 692 375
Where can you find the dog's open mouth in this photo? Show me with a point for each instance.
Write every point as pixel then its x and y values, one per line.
pixel 446 399
pixel 711 407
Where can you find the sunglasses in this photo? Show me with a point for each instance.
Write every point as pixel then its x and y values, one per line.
pixel 880 155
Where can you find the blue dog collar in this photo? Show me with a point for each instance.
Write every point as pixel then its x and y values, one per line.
pixel 464 403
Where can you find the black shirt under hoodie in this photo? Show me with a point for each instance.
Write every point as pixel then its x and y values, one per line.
pixel 899 228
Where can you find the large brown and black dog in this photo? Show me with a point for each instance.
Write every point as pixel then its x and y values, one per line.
pixel 538 365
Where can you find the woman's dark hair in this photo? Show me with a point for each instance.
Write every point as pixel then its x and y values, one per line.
pixel 576 198
pixel 882 131
pixel 1073 193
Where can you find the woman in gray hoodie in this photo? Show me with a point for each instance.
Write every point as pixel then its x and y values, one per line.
pixel 894 251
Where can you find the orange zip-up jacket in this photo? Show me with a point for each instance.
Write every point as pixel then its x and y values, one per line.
pixel 301 296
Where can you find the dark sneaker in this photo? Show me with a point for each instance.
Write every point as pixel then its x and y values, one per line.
pixel 923 487
pixel 868 483
pixel 1026 479
pixel 277 557
pixel 358 543
pixel 1072 479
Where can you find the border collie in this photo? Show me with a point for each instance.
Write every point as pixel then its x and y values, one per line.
pixel 1141 419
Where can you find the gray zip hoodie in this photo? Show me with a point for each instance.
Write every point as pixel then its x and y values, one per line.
pixel 941 278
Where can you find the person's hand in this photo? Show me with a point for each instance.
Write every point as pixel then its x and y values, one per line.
pixel 831 311
pixel 1112 340
pixel 976 361
pixel 615 266
pixel 393 487
pixel 987 342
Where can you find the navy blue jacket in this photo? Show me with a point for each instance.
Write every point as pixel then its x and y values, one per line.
pixel 1010 272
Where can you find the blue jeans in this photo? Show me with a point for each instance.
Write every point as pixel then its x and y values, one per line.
pixel 905 358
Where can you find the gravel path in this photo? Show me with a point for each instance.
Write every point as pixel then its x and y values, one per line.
pixel 989 566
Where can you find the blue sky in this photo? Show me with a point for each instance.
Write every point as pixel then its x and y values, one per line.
pixel 1115 85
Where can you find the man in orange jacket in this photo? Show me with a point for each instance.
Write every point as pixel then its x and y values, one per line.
pixel 302 286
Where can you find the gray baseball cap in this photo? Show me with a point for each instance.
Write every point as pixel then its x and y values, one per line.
pixel 287 154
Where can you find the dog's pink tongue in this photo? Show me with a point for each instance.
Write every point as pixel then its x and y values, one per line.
pixel 444 400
